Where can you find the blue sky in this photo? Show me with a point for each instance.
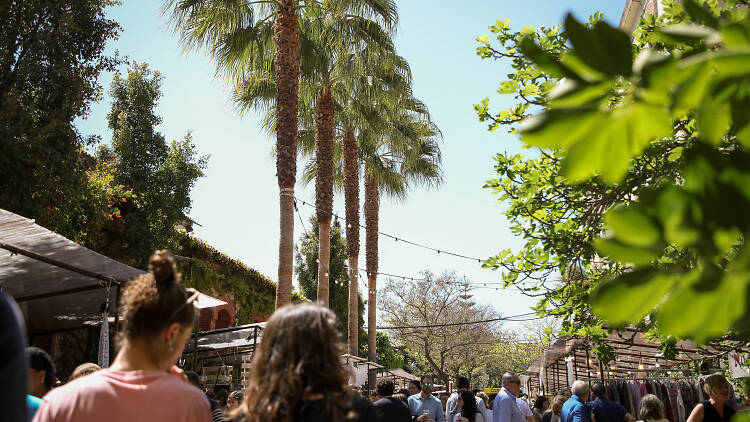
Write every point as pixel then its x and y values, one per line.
pixel 237 202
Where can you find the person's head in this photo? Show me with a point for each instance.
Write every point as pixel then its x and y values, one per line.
pixel 444 399
pixel 717 387
pixel 222 396
pixel 484 397
pixel 298 357
pixel 462 383
pixel 492 400
pixel 580 389
pixel 414 387
pixel 385 387
pixel 193 378
pixel 512 383
pixel 404 391
pixel 157 318
pixel 41 371
pixel 234 399
pixel 427 384
pixel 557 404
pixel 84 369
pixel 651 408
pixel 468 404
pixel 403 397
pixel 541 403
pixel 598 389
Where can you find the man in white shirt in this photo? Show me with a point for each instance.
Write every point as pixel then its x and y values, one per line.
pixel 505 408
pixel 525 410
pixel 452 411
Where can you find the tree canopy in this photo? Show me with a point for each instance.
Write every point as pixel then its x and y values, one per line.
pixel 631 203
pixel 52 55
pixel 437 307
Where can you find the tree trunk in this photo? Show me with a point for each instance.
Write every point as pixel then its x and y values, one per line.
pixel 372 209
pixel 351 196
pixel 324 126
pixel 287 61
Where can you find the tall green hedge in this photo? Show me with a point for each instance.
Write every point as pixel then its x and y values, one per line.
pixel 214 273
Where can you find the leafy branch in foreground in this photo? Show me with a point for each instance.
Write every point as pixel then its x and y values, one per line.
pixel 681 241
pixel 618 123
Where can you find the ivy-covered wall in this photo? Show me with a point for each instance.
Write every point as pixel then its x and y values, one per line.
pixel 214 273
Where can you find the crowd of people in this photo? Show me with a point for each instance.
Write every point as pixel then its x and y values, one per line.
pixel 296 375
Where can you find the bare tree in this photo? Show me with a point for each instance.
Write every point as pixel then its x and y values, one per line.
pixel 432 315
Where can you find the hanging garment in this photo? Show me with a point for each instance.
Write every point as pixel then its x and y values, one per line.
pixel 667 403
pixel 104 338
pixel 613 395
pixel 635 391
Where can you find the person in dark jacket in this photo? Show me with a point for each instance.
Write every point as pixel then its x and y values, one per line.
pixel 390 409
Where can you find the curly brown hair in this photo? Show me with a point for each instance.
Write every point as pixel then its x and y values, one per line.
pixel 298 358
pixel 154 300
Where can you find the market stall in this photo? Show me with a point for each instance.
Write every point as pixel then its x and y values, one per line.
pixel 569 359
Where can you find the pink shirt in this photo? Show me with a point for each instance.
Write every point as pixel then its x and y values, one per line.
pixel 115 396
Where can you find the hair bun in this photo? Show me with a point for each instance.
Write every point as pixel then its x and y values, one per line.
pixel 162 266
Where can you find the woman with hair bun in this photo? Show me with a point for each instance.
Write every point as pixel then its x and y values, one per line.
pixel 143 383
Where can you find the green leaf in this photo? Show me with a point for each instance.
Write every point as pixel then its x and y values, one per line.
pixel 631 296
pixel 483 39
pixel 713 119
pixel 735 35
pixel 545 60
pixel 699 14
pixel 632 226
pixel 557 128
pixel 689 93
pixel 623 253
pixel 571 93
pixel 607 146
pixel 675 154
pixel 604 48
pixel 716 301
pixel 688 33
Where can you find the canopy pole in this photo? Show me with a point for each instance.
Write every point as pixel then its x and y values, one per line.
pixel 56 263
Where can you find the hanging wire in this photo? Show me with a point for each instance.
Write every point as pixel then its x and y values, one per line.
pixel 401 239
pixel 511 318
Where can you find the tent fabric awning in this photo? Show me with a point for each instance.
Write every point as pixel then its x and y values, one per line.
pixel 53 298
pixel 57 283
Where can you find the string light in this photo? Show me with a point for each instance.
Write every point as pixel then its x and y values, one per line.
pixel 458 255
pixel 512 318
pixel 471 286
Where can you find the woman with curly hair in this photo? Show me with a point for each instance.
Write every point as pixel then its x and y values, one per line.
pixel 296 374
pixel 143 383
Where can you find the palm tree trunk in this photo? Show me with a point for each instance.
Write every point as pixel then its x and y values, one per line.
pixel 324 125
pixel 351 196
pixel 287 62
pixel 372 209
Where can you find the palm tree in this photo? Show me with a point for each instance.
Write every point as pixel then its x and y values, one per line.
pixel 247 49
pixel 406 153
pixel 381 77
pixel 341 51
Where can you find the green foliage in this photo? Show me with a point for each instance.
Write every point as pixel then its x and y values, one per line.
pixel 161 175
pixel 659 149
pixel 387 357
pixel 306 257
pixel 52 55
pixel 511 354
pixel 215 273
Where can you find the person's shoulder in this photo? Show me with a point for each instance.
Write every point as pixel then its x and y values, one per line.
pixel 186 391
